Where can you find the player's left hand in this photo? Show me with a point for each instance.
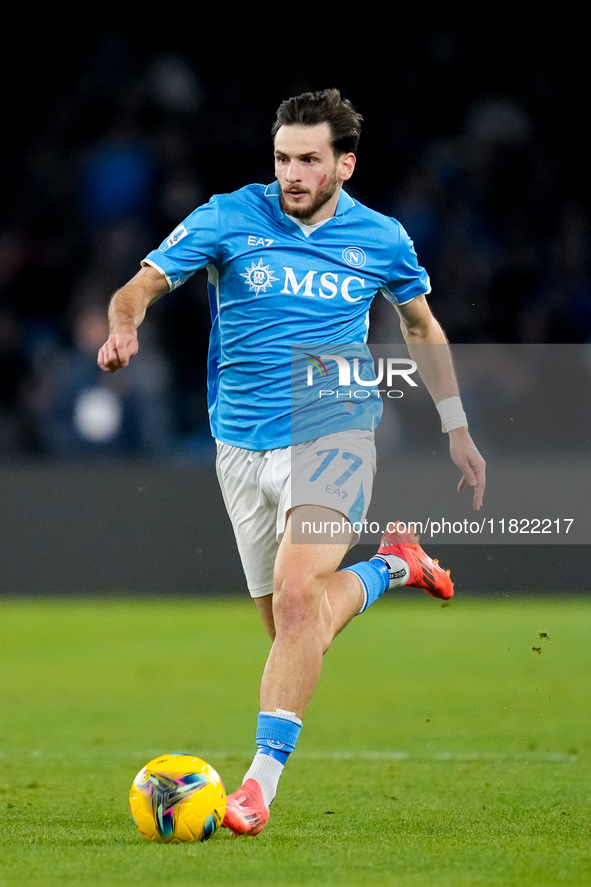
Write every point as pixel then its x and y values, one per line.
pixel 466 456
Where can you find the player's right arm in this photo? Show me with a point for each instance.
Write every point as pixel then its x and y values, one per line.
pixel 127 310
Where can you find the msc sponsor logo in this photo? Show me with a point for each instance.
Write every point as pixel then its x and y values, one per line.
pixel 259 277
pixel 324 285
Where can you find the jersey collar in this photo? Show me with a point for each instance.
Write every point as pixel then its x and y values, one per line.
pixel 272 193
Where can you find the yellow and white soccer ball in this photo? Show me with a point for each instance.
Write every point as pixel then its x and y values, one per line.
pixel 177 797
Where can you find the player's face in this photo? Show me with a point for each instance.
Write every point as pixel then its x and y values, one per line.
pixel 309 174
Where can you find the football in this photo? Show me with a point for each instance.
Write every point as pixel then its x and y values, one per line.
pixel 176 798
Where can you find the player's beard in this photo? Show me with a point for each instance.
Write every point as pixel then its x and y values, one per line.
pixel 320 199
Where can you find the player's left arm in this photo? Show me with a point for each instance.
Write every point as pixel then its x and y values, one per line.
pixel 420 329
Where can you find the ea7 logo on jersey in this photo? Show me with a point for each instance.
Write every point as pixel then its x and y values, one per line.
pixel 259 241
pixel 259 277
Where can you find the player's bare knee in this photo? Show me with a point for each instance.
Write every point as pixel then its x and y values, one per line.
pixel 296 605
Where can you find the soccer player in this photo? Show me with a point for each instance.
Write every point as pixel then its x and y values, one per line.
pixel 297 263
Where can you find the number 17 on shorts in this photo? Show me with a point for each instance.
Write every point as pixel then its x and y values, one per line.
pixel 332 472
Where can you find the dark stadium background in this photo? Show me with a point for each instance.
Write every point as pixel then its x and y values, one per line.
pixel 474 139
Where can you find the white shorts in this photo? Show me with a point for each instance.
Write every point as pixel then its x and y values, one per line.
pixel 260 487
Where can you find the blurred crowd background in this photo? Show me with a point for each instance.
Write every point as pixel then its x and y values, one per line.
pixel 111 139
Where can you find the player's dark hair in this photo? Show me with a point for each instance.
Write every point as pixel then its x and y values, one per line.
pixel 326 106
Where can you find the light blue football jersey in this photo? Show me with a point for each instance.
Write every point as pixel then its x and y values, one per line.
pixel 275 292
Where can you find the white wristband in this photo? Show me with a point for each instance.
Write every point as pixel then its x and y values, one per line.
pixel 451 413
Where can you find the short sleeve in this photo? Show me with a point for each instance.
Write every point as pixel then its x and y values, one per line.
pixel 192 245
pixel 407 278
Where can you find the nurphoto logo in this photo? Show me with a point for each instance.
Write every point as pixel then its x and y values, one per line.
pixel 388 371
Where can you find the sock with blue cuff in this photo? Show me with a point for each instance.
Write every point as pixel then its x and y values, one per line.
pixel 276 737
pixel 378 575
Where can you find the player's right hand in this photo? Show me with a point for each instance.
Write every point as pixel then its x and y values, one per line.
pixel 117 351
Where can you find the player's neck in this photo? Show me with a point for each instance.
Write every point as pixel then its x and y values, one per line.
pixel 306 227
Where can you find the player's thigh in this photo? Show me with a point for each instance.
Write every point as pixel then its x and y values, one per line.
pixel 302 574
pixel 304 568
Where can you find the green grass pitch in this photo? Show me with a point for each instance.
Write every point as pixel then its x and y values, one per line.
pixel 446 745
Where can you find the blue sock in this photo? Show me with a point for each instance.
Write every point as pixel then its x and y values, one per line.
pixel 277 734
pixel 276 737
pixel 375 579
